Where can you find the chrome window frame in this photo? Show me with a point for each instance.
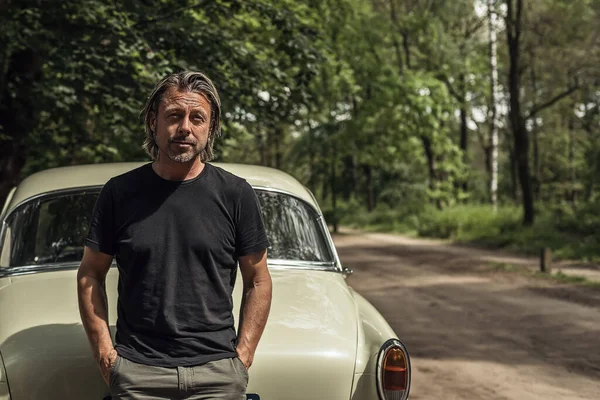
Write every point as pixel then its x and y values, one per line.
pixel 334 266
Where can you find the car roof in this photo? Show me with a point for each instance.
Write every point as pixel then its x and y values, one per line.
pixel 81 176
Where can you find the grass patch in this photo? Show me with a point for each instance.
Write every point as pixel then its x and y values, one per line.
pixel 569 235
pixel 557 277
pixel 503 267
pixel 561 277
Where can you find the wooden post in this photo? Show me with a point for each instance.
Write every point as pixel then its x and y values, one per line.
pixel 546 260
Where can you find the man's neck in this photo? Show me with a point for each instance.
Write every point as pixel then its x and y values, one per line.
pixel 176 171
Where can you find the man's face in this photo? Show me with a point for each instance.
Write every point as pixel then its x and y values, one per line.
pixel 181 125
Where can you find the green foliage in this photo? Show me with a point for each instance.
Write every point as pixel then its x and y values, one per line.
pixel 93 64
pixel 360 100
pixel 569 235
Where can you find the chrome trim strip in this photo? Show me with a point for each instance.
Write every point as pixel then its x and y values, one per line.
pixel 300 263
pixel 336 265
pixel 333 249
pixel 34 269
pixel 379 372
pixel 273 264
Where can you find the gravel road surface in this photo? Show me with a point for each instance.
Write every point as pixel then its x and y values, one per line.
pixel 474 332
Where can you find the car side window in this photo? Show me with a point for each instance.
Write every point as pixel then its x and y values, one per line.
pixel 294 229
pixel 52 229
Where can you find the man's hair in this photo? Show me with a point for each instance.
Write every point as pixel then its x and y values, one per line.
pixel 184 81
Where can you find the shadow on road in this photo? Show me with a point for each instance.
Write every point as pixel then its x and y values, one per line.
pixel 443 305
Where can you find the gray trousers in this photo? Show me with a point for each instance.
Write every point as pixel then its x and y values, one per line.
pixel 222 379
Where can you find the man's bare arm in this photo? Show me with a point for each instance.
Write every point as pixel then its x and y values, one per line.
pixel 256 303
pixel 93 307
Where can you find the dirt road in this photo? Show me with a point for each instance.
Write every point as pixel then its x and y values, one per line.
pixel 474 333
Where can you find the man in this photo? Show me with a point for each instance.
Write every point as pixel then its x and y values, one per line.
pixel 178 227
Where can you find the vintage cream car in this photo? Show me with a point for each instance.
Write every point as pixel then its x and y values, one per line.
pixel 323 341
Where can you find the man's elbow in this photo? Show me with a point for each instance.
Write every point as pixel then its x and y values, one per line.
pixel 260 280
pixel 263 281
pixel 87 275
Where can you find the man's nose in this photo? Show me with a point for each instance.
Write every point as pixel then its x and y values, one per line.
pixel 185 125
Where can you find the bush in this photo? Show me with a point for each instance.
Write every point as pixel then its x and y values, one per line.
pixel 571 235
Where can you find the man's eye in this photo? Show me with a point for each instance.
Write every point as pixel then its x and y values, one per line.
pixel 173 115
pixel 198 118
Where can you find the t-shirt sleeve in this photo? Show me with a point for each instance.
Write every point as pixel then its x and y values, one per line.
pixel 101 235
pixel 250 231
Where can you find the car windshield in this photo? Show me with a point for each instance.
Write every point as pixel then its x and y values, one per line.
pixel 52 229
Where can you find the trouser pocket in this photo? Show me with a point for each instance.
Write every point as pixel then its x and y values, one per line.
pixel 114 371
pixel 241 368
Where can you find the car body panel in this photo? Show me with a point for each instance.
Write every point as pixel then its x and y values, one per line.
pixel 373 330
pixel 309 343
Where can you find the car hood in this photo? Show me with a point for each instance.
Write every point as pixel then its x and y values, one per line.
pixel 308 349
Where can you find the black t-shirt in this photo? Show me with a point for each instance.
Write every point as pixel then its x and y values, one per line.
pixel 176 244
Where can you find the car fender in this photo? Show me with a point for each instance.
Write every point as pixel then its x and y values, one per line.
pixel 373 332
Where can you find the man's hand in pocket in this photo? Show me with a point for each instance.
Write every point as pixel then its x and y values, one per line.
pixel 105 363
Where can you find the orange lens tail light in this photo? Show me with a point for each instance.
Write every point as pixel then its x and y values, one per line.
pixel 394 370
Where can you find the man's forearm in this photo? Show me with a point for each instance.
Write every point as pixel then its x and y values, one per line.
pixel 255 307
pixel 94 314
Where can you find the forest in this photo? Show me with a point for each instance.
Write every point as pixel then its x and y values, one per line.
pixel 473 120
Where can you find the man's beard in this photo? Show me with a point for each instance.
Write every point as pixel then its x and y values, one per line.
pixel 196 150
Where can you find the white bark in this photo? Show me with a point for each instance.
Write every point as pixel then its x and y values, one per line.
pixel 492 18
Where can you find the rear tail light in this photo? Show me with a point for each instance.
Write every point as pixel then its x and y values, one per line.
pixel 393 371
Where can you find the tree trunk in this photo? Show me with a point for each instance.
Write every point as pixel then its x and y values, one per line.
pixel 278 140
pixel 394 18
pixel 593 152
pixel 311 161
pixel 514 181
pixel 464 139
pixel 430 161
pixel 492 156
pixel 268 146
pixel 537 172
pixel 406 49
pixel 517 122
pixel 349 178
pixel 332 181
pixel 572 193
pixel 537 169
pixel 260 145
pixel 17 117
pixel 370 194
pixel 12 160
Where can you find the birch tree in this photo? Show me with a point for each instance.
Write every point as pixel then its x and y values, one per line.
pixel 493 107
